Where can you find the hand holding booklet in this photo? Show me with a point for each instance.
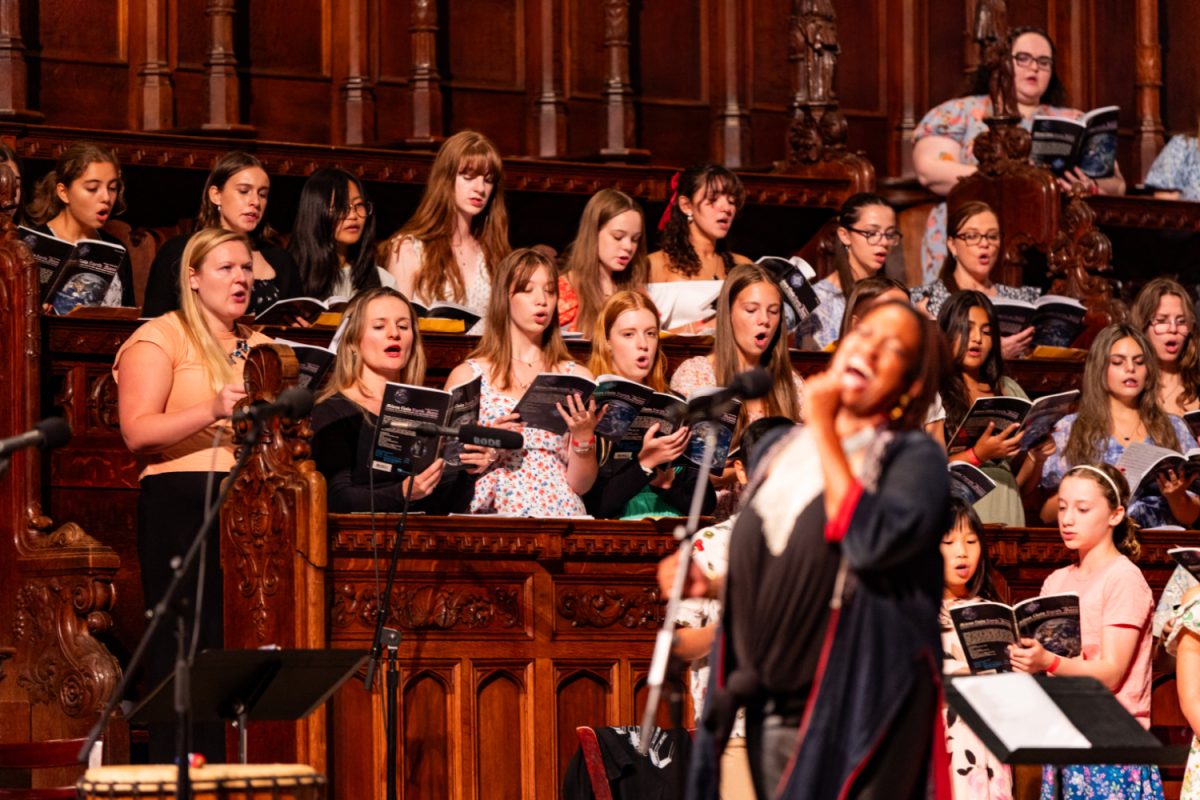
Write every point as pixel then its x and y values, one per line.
pixel 398 448
pixel 71 275
pixel 1141 464
pixel 1037 418
pixel 986 629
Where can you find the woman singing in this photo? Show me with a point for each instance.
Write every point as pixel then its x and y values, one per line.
pixel 848 510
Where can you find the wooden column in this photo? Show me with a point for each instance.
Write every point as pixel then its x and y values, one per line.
pixel 425 84
pixel 907 25
pixel 357 89
pixel 731 140
pixel 548 130
pixel 1148 139
pixel 14 75
pixel 154 102
pixel 620 136
pixel 224 111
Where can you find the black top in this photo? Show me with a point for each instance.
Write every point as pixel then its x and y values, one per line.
pixel 162 288
pixel 618 482
pixel 342 437
pixel 124 272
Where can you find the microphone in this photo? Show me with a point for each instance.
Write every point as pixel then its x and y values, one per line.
pixel 744 386
pixel 47 434
pixel 480 435
pixel 292 403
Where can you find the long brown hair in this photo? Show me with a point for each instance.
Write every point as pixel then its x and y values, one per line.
pixel 709 180
pixel 847 218
pixel 616 305
pixel 70 166
pixel 496 344
pixel 583 267
pixel 783 400
pixel 470 153
pixel 227 166
pixel 348 366
pixel 864 296
pixel 1142 314
pixel 954 224
pixel 1093 426
pixel 1124 533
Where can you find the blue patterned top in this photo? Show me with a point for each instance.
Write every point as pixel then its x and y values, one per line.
pixel 825 323
pixel 1177 168
pixel 937 294
pixel 1147 512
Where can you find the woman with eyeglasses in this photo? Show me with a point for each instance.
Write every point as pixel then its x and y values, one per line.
pixel 974 250
pixel 866 233
pixel 333 242
pixel 1163 311
pixel 943 141
pixel 450 248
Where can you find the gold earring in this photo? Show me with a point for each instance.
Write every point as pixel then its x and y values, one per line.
pixel 901 407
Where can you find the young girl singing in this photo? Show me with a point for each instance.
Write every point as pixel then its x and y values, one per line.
pixel 1115 604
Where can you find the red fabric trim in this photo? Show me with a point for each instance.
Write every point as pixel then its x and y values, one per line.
pixel 835 529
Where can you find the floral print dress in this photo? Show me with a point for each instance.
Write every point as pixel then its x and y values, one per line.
pixel 1177 168
pixel 961 119
pixel 975 773
pixel 1187 618
pixel 532 481
pixel 479 292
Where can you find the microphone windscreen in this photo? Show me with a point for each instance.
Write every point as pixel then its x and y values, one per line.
pixel 297 401
pixel 495 437
pixel 55 432
pixel 752 383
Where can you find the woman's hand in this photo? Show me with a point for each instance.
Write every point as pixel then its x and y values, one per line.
pixel 1042 451
pixel 581 419
pixel 1076 177
pixel 477 458
pixel 1018 344
pixel 823 395
pixel 226 399
pixel 1028 655
pixel 664 476
pixel 992 444
pixel 424 483
pixel 1172 483
pixel 659 450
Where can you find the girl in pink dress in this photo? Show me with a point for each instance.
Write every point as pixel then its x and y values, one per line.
pixel 521 340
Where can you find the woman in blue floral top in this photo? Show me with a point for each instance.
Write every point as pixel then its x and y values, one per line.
pixel 943 142
pixel 866 234
pixel 974 251
pixel 1175 173
pixel 1118 405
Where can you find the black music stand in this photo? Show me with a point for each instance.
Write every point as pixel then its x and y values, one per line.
pixel 242 685
pixel 1112 735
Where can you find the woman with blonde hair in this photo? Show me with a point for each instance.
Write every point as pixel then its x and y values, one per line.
pixel 607 256
pixel 631 485
pixel 73 201
pixel 381 344
pixel 1163 311
pixel 178 379
pixel 548 476
pixel 450 247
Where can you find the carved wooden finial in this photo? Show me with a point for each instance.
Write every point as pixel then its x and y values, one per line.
pixel 1080 254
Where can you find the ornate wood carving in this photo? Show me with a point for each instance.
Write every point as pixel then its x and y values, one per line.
pixel 425 83
pixel 989 28
pixel 154 106
pixel 605 606
pixel 548 132
pixel 357 88
pixel 620 134
pixel 440 606
pixel 14 73
pixel 817 124
pixel 223 93
pixel 1080 253
pixel 1148 138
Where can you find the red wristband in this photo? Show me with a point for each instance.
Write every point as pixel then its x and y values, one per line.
pixel 1054 664
pixel 972 459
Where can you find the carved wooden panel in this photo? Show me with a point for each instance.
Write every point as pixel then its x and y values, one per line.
pixel 103 40
pixel 502 716
pixel 584 697
pixel 425 748
pixel 485 44
pixel 392 42
pixel 1180 27
pixel 304 51
pixel 445 604
pixel 585 34
pixel 620 606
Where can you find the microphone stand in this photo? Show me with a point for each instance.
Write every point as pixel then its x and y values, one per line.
pixel 390 638
pixel 666 636
pixel 170 602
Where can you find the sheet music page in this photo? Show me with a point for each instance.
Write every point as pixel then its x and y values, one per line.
pixel 1019 711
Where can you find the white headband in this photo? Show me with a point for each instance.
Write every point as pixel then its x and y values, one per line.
pixel 1107 479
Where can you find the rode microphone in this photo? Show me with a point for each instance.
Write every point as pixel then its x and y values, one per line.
pixel 292 403
pixel 47 434
pixel 744 386
pixel 480 435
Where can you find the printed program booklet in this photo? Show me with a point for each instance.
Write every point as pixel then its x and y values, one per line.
pixel 398 450
pixel 969 482
pixel 1188 558
pixel 1090 143
pixel 725 425
pixel 444 309
pixel 73 275
pixel 624 399
pixel 309 309
pixel 1141 463
pixel 664 409
pixel 986 629
pixel 314 360
pixel 1057 320
pixel 1037 417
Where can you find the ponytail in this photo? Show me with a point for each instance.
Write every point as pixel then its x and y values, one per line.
pixel 1115 489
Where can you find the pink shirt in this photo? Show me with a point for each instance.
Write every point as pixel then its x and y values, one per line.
pixel 1118 595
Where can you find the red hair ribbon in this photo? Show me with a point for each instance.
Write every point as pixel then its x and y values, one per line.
pixel 666 216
